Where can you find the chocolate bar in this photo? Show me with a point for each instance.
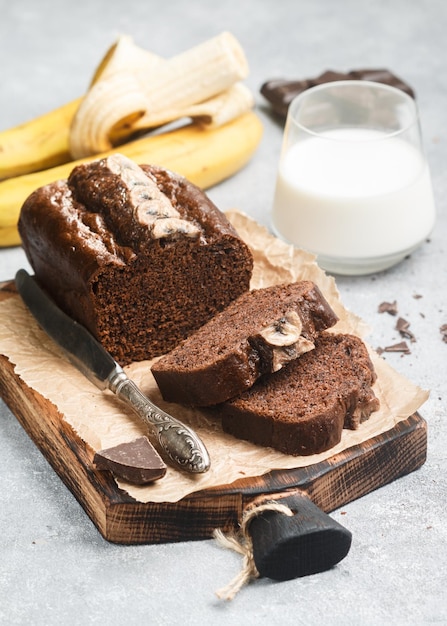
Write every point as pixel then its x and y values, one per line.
pixel 136 461
pixel 280 92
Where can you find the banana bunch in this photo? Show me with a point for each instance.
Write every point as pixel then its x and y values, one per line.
pixel 132 92
pixel 204 157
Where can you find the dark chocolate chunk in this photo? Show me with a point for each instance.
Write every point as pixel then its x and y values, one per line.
pixel 403 327
pixel 398 347
pixel 443 331
pixel 136 461
pixel 388 307
pixel 280 92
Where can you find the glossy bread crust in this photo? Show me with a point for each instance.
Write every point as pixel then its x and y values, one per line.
pixel 139 296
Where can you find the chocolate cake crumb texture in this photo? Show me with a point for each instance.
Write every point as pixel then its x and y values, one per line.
pixel 141 266
pixel 258 333
pixel 303 408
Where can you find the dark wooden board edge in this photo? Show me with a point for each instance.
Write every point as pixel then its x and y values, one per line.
pixel 121 519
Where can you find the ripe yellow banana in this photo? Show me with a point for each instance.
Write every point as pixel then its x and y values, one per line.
pixel 150 94
pixel 38 144
pixel 205 157
pixel 44 142
pixel 132 90
pixel 9 237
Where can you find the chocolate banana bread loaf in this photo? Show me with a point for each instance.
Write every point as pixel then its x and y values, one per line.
pixel 303 408
pixel 256 334
pixel 138 255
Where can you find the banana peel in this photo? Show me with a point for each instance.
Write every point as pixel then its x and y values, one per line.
pixel 205 157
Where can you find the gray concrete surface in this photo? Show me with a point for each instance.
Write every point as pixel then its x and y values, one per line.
pixel 54 566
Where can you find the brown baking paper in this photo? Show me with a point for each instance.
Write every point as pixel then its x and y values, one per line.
pixel 101 420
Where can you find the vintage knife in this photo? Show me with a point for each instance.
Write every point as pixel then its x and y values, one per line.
pixel 179 442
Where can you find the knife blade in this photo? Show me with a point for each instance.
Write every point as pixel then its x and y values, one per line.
pixel 177 440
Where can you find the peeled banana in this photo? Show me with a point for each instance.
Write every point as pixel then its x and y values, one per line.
pixel 133 90
pixel 205 157
pixel 155 92
pixel 44 141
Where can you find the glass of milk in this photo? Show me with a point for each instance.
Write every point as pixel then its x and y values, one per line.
pixel 353 183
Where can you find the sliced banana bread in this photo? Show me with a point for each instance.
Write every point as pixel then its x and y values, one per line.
pixel 256 334
pixel 303 408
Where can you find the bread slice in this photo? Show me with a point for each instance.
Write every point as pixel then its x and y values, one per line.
pixel 303 408
pixel 256 334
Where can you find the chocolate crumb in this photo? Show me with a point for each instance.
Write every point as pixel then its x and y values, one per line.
pixel 399 347
pixel 403 327
pixel 443 331
pixel 417 296
pixel 388 307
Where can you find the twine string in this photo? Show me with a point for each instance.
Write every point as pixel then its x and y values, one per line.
pixel 241 542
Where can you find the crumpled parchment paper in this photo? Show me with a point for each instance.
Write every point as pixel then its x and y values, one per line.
pixel 101 420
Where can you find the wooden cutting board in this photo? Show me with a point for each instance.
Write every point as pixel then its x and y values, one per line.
pixel 119 518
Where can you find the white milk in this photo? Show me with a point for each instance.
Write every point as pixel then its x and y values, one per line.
pixel 354 198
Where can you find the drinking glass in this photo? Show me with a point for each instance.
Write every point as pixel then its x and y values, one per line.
pixel 353 184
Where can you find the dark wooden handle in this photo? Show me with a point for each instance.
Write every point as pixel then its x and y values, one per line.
pixel 308 542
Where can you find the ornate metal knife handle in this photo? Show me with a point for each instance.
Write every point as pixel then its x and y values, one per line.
pixel 179 442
